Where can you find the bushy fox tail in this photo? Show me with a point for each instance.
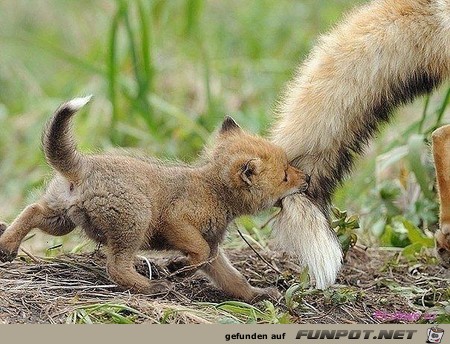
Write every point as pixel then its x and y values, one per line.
pixel 303 230
pixel 383 55
pixel 58 143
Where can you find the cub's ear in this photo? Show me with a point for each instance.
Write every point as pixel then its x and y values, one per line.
pixel 249 170
pixel 228 125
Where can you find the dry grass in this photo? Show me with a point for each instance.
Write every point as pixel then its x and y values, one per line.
pixel 75 288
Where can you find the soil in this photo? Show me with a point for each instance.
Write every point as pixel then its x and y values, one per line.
pixel 374 286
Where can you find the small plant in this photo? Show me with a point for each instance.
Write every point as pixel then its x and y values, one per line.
pixel 104 313
pixel 345 228
pixel 241 312
pixel 342 296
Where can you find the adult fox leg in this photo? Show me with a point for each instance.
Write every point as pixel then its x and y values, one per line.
pixel 441 153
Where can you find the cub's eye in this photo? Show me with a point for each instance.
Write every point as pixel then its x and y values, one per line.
pixel 285 176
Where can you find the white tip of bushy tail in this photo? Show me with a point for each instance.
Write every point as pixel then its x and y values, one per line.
pixel 77 103
pixel 302 230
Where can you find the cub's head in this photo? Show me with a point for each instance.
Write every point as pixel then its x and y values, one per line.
pixel 256 171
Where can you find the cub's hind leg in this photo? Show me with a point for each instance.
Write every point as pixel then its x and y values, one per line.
pixel 36 215
pixel 441 153
pixel 122 245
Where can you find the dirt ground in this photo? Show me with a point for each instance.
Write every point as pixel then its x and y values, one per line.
pixel 374 286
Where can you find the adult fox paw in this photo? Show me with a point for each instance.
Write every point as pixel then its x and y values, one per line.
pixel 443 245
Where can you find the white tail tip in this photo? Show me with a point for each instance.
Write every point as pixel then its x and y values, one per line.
pixel 77 103
pixel 303 231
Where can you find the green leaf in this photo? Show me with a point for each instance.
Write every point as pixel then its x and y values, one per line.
pixel 241 308
pixel 386 237
pixel 410 250
pixel 289 296
pixel 394 236
pixel 416 236
pixel 193 14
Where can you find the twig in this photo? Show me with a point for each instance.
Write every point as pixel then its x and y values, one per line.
pixel 81 287
pixel 180 296
pixel 361 247
pixel 257 253
pixel 322 315
pixel 33 258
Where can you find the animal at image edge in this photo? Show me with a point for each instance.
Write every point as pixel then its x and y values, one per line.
pixel 441 154
pixel 382 55
pixel 130 204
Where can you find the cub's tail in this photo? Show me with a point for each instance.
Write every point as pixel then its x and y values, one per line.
pixel 383 55
pixel 58 143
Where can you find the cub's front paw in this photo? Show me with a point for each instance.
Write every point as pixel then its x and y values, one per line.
pixel 180 267
pixel 266 293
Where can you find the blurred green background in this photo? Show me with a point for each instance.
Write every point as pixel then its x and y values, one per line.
pixel 164 74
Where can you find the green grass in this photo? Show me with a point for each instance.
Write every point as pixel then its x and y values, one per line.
pixel 104 313
pixel 395 193
pixel 163 74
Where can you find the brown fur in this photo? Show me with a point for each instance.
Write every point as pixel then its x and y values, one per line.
pixel 441 153
pixel 130 204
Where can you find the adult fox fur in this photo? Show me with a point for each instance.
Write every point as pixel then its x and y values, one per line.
pixel 381 56
pixel 441 154
pixel 132 204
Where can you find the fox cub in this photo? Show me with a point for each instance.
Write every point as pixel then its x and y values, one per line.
pixel 130 204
